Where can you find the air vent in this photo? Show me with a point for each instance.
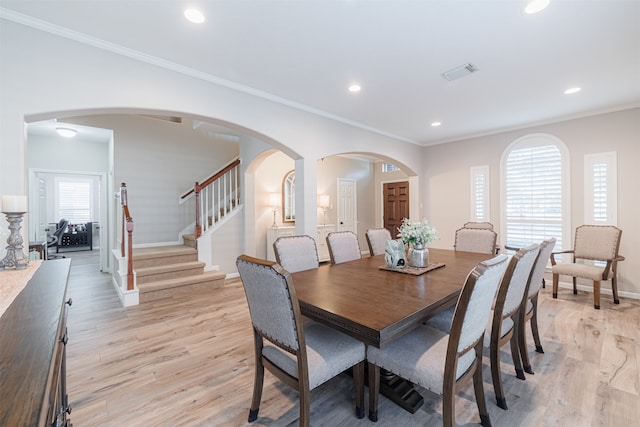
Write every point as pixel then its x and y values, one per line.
pixel 461 71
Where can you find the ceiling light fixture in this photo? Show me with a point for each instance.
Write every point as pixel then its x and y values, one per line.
pixel 461 71
pixel 435 124
pixel 355 88
pixel 194 16
pixel 66 132
pixel 535 6
pixel 572 90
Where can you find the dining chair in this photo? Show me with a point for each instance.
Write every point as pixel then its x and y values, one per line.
pixel 440 362
pixel 343 246
pixel 377 238
pixel 475 240
pixel 504 321
pixel 484 225
pixel 599 243
pixel 302 355
pixel 529 312
pixel 296 253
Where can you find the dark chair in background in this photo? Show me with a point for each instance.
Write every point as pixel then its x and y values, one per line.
pixel 53 240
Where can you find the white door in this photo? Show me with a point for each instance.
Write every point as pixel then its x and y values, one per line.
pixel 42 209
pixel 347 214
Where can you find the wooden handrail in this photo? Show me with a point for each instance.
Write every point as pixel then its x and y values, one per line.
pixel 212 178
pixel 127 222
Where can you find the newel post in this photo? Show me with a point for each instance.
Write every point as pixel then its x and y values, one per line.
pixel 123 204
pixel 130 258
pixel 197 189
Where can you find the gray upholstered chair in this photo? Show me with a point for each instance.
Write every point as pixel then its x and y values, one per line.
pixel 303 356
pixel 592 243
pixel 529 312
pixel 377 238
pixel 484 225
pixel 343 246
pixel 475 240
pixel 440 362
pixel 504 321
pixel 296 253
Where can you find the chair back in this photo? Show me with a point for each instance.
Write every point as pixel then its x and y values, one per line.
pixel 473 308
pixel 597 242
pixel 296 253
pixel 343 246
pixel 537 275
pixel 377 239
pixel 273 306
pixel 475 240
pixel 481 225
pixel 513 287
pixel 58 232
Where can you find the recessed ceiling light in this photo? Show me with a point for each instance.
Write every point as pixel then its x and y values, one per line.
pixel 535 6
pixel 435 124
pixel 354 88
pixel 66 132
pixel 572 90
pixel 194 16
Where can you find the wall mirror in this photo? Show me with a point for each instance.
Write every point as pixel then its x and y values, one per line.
pixel 289 197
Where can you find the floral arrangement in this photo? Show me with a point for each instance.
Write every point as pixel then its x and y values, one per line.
pixel 417 233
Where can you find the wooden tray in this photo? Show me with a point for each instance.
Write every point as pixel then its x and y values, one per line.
pixel 415 271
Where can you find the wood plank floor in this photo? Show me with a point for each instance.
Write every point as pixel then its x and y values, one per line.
pixel 189 362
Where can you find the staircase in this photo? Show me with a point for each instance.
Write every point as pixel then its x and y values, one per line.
pixel 170 271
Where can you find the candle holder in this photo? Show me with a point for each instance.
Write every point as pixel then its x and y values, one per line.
pixel 15 257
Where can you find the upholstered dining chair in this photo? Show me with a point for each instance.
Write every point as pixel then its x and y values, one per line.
pixel 529 311
pixel 296 253
pixel 441 362
pixel 377 238
pixel 503 325
pixel 475 240
pixel 343 246
pixel 598 243
pixel 484 225
pixel 302 355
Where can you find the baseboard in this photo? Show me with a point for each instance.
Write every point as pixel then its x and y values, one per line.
pixel 127 298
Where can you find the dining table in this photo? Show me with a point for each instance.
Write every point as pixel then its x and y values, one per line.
pixel 376 305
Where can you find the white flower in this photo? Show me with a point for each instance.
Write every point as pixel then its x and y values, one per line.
pixel 417 233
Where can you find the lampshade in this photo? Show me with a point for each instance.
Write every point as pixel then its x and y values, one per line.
pixel 324 201
pixel 274 199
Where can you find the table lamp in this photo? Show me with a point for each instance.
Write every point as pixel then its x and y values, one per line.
pixel 324 202
pixel 14 207
pixel 274 200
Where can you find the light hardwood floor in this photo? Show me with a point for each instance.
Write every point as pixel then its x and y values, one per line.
pixel 189 362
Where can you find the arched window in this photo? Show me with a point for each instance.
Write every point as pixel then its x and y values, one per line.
pixel 535 191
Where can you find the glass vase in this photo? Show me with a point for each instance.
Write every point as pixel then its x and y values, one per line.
pixel 418 256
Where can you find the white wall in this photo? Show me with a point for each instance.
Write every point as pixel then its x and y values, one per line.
pixel 447 191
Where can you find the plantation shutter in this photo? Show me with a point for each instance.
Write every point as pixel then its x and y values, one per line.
pixel 74 201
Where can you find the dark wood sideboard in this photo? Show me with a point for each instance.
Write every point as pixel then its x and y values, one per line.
pixel 33 337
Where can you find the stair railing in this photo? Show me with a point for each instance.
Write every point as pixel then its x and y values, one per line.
pixel 216 196
pixel 127 223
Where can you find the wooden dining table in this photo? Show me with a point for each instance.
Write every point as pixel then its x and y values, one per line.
pixel 375 305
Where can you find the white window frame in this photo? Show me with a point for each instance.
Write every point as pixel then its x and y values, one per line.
pixel 531 141
pixel 73 179
pixel 480 200
pixel 594 164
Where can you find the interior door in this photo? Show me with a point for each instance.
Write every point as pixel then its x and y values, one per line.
pixel 396 205
pixel 347 214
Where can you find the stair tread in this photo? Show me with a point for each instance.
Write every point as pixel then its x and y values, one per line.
pixel 166 268
pixel 182 281
pixel 162 251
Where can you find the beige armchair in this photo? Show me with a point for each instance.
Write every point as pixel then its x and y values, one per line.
pixel 599 243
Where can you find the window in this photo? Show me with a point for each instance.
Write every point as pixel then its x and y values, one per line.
pixel 389 167
pixel 74 199
pixel 535 191
pixel 600 193
pixel 479 176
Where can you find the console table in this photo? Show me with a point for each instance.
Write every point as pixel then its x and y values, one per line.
pixel 33 352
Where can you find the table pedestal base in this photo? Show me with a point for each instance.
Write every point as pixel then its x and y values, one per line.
pixel 400 391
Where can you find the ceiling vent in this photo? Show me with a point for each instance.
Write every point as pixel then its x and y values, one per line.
pixel 458 72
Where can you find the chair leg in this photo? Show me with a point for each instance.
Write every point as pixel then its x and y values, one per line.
pixel 358 382
pixel 534 326
pixel 496 375
pixel 522 341
pixel 596 294
pixel 478 387
pixel 575 286
pixel 374 390
pixel 515 351
pixel 257 390
pixel 614 289
pixel 555 285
